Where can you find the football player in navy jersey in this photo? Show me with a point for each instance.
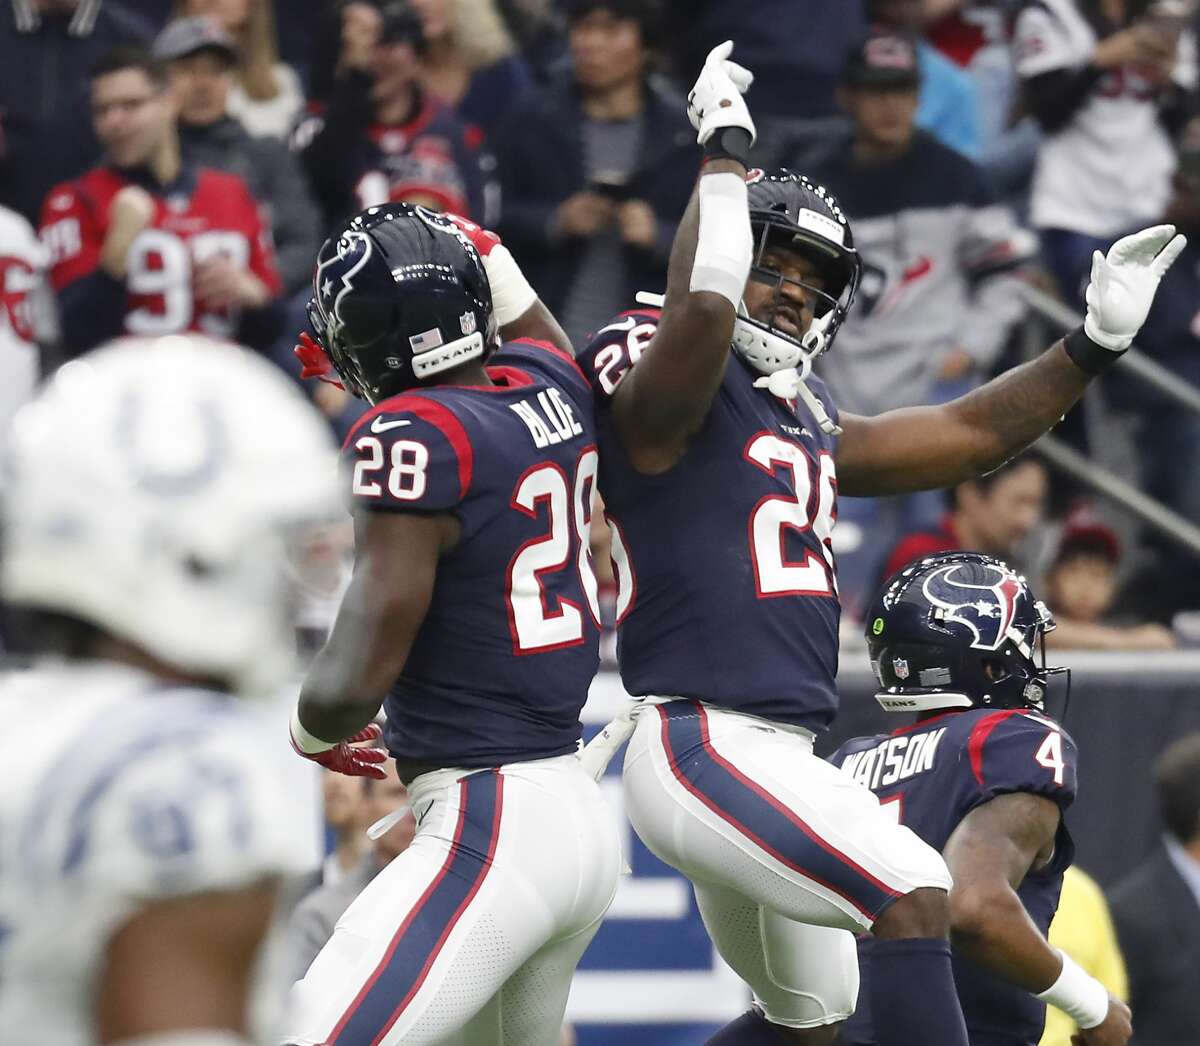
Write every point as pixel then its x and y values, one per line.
pixel 983 775
pixel 720 472
pixel 472 618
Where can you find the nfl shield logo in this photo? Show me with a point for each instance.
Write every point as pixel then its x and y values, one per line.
pixel 900 667
pixel 467 322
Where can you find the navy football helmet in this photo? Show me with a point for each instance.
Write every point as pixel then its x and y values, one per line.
pixel 399 296
pixel 787 210
pixel 959 630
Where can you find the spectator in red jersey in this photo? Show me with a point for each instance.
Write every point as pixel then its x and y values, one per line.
pixel 992 514
pixel 381 137
pixel 146 244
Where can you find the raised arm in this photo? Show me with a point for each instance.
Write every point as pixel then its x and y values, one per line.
pixel 923 448
pixel 518 309
pixel 663 401
pixel 394 569
pixel 989 855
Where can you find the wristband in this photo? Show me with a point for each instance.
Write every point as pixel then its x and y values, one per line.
pixel 724 244
pixel 1087 355
pixel 303 741
pixel 729 143
pixel 512 296
pixel 1078 994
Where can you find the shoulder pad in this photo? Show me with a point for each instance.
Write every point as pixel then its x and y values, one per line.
pixel 411 453
pixel 617 347
pixel 1023 751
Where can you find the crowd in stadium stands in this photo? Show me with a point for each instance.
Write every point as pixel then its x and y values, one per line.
pixel 182 161
pixel 977 146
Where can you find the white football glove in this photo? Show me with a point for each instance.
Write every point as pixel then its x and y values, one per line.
pixel 1123 284
pixel 716 101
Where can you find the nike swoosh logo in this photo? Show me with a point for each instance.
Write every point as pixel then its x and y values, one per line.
pixel 379 425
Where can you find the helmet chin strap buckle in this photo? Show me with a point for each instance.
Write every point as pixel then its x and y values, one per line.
pixel 789 384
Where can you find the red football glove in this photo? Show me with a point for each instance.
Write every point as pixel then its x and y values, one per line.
pixel 314 363
pixel 345 758
pixel 481 239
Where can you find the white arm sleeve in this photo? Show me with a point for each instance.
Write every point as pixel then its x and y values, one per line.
pixel 724 245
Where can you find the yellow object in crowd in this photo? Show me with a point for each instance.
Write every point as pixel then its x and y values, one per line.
pixel 1083 928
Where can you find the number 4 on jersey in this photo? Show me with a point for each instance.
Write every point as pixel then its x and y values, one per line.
pixel 1050 755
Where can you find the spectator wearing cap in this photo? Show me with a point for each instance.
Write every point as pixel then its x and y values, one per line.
pixel 942 259
pixel 266 96
pixel 381 137
pixel 471 62
pixel 1081 586
pixel 1105 79
pixel 596 169
pixel 47 48
pixel 948 104
pixel 201 59
pixel 1157 909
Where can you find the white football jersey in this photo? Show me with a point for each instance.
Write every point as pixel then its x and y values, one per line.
pixel 121 790
pixel 1109 169
pixel 23 302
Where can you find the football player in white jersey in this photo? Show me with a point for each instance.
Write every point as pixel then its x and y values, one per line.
pixel 144 825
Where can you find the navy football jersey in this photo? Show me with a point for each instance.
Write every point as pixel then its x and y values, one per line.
pixel 726 582
pixel 501 666
pixel 932 775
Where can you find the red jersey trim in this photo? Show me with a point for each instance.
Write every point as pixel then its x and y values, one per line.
pixel 979 735
pixel 440 417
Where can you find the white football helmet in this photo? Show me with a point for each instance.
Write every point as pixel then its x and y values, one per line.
pixel 152 487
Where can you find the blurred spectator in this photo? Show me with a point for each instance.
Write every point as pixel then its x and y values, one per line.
pixel 200 58
pixel 148 244
pixel 1081 587
pixel 346 821
pixel 1166 436
pixel 941 288
pixel 1083 928
pixel 1157 910
pixel 266 98
pixel 992 514
pixel 597 170
pixel 795 47
pixel 22 267
pixel 974 34
pixel 538 30
pixel 382 137
pixel 47 48
pixel 1100 76
pixel 315 917
pixel 1082 580
pixel 471 62
pixel 948 109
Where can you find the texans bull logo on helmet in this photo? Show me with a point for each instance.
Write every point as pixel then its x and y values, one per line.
pixel 335 277
pixel 987 610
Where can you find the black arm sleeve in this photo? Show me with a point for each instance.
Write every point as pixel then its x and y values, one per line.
pixel 91 310
pixel 331 158
pixel 1056 96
